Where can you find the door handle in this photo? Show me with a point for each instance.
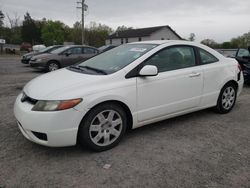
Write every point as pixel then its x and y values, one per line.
pixel 194 75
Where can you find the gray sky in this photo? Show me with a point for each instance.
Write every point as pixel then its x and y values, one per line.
pixel 216 19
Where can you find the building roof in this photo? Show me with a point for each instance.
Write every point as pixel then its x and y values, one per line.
pixel 142 32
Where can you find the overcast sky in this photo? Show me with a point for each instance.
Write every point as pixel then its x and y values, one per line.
pixel 220 20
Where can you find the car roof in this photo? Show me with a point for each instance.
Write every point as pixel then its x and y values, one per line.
pixel 71 46
pixel 159 42
pixel 181 42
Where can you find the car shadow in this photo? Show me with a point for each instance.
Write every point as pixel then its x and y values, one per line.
pixel 131 134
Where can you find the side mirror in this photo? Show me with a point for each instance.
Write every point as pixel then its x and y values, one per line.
pixel 68 53
pixel 149 70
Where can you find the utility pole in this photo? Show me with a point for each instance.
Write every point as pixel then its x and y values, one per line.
pixel 83 7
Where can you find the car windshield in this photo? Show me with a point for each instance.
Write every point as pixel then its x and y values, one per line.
pixel 104 47
pixel 117 58
pixel 60 50
pixel 46 49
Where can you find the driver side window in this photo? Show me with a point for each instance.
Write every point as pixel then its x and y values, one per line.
pixel 74 51
pixel 173 58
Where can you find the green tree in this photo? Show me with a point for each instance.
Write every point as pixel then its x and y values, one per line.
pixel 211 43
pixel 76 34
pixel 53 32
pixel 226 45
pixel 14 29
pixel 241 41
pixel 96 34
pixel 30 31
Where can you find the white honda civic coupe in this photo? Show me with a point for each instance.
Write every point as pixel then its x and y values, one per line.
pixel 135 84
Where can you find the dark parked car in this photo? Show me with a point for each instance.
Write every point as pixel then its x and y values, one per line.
pixel 243 57
pixel 106 48
pixel 27 57
pixel 63 57
pixel 25 46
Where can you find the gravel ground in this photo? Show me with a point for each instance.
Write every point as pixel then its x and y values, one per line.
pixel 201 149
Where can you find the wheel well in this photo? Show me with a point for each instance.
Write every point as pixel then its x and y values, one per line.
pixel 233 82
pixel 124 107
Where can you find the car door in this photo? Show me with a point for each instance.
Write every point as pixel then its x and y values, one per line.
pixel 243 56
pixel 213 74
pixel 71 56
pixel 177 87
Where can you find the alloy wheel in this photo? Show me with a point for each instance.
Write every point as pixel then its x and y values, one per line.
pixel 105 128
pixel 53 67
pixel 228 98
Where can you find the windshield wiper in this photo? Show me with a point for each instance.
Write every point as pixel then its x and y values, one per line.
pixel 76 68
pixel 94 69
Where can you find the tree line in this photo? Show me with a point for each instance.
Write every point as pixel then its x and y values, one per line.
pixel 238 42
pixel 50 32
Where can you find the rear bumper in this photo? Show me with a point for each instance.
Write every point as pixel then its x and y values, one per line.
pixel 57 129
pixel 240 83
pixel 246 74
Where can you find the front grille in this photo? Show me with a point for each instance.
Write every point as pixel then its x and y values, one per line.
pixel 26 98
pixel 41 136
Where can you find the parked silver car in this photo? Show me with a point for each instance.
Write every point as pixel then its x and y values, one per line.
pixel 63 57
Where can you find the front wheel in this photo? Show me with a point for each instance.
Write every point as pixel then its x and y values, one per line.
pixel 227 99
pixel 52 66
pixel 103 127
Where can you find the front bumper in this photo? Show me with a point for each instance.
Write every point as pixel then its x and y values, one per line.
pixel 60 127
pixel 25 61
pixel 38 65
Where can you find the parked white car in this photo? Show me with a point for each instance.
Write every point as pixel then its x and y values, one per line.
pixel 95 102
pixel 37 48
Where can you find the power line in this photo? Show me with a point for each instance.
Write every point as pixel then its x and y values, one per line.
pixel 81 5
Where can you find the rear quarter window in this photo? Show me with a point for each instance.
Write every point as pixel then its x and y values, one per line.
pixel 206 57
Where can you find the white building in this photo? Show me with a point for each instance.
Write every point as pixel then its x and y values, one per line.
pixel 143 34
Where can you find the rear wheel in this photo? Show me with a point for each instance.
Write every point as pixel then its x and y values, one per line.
pixel 52 66
pixel 103 127
pixel 227 98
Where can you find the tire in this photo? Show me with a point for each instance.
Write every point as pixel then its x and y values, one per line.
pixel 53 66
pixel 227 99
pixel 103 127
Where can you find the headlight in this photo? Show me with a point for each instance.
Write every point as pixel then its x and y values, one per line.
pixel 55 105
pixel 38 60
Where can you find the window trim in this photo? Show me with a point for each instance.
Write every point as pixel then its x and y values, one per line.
pixel 83 50
pixel 199 57
pixel 72 48
pixel 135 71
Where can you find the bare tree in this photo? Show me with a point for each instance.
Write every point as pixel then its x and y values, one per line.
pixel 1 18
pixel 191 37
pixel 15 21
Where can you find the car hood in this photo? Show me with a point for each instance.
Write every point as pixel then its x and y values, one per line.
pixel 45 56
pixel 32 54
pixel 64 84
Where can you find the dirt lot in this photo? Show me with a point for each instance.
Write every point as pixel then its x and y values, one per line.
pixel 202 149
